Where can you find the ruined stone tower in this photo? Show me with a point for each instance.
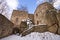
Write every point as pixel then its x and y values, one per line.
pixel 18 16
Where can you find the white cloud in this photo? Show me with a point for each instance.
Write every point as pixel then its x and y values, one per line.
pixel 12 3
pixel 39 1
pixel 42 1
pixel 57 4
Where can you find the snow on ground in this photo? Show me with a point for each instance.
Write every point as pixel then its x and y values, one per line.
pixel 34 36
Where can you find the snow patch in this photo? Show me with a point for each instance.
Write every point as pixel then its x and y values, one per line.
pixel 34 36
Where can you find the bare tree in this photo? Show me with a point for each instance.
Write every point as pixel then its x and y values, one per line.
pixel 50 1
pixel 3 8
pixel 23 8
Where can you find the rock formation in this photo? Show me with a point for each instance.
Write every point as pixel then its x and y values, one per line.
pixel 23 27
pixel 39 28
pixel 46 14
pixel 58 17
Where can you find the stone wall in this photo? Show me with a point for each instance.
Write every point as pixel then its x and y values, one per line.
pixel 6 26
pixel 31 16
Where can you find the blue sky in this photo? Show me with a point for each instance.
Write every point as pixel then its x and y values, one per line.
pixel 30 4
